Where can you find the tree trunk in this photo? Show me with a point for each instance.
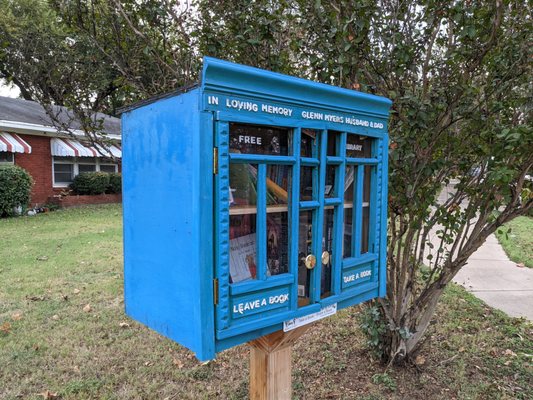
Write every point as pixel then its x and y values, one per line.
pixel 404 338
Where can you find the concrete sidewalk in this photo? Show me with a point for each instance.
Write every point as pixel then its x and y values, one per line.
pixel 496 280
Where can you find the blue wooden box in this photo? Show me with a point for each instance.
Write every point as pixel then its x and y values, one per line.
pixel 250 201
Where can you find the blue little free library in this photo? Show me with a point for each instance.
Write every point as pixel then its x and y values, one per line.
pixel 253 202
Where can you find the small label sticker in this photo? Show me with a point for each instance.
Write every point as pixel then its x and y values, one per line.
pixel 301 321
pixel 301 291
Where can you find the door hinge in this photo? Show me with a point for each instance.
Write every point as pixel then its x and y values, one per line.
pixel 215 291
pixel 215 160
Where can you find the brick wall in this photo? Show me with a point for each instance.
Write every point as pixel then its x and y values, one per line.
pixel 39 166
pixel 77 200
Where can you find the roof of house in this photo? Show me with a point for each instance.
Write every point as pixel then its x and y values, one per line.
pixel 31 112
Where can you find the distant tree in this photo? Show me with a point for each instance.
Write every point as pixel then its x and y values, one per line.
pixel 93 56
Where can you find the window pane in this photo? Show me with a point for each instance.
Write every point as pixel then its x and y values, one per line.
pixel 63 167
pixel 366 183
pixel 348 210
pixel 6 157
pixel 68 160
pixel 358 146
pixel 305 237
pixel 308 143
pixel 333 138
pixel 307 183
pixel 277 243
pixel 243 186
pixel 86 168
pixel 242 248
pixel 63 173
pixel 364 237
pixel 243 210
pixel 252 139
pixel 108 168
pixel 366 208
pixel 278 179
pixel 86 160
pixel 327 246
pixel 329 189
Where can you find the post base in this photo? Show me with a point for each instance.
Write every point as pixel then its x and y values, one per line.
pixel 270 365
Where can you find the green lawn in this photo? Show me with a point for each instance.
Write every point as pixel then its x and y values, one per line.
pixel 518 243
pixel 63 330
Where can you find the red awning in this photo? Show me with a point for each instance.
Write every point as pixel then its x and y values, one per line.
pixel 13 143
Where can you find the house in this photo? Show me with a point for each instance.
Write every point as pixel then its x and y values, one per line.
pixel 29 139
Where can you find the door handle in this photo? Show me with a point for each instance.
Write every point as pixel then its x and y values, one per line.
pixel 310 261
pixel 325 257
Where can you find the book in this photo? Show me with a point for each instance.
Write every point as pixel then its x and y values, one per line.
pixel 277 244
pixel 242 258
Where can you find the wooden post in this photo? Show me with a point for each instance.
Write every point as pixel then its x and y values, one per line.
pixel 270 365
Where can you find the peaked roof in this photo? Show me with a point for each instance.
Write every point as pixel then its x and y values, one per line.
pixel 31 112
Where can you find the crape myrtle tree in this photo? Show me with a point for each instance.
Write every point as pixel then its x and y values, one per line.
pixel 459 74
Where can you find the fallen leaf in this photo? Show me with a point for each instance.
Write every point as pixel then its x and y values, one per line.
pixel 16 316
pixel 124 325
pixel 87 308
pixel 461 349
pixel 76 291
pixel 521 265
pixel 48 395
pixel 507 362
pixel 420 360
pixel 178 363
pixel 5 327
pixel 36 298
pixel 55 317
pixel 42 258
pixel 509 352
pixel 148 363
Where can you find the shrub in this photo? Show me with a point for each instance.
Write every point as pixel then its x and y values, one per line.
pixel 115 183
pixel 15 189
pixel 90 183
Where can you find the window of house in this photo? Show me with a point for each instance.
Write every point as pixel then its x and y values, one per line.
pixel 109 168
pixel 86 168
pixel 66 168
pixel 63 173
pixel 6 157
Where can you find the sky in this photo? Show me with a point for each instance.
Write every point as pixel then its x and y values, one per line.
pixel 8 91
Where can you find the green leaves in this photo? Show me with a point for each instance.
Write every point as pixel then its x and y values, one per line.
pixel 15 189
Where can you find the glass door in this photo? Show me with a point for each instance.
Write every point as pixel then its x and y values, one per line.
pixel 259 187
pixel 254 203
pixel 319 213
pixel 291 214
